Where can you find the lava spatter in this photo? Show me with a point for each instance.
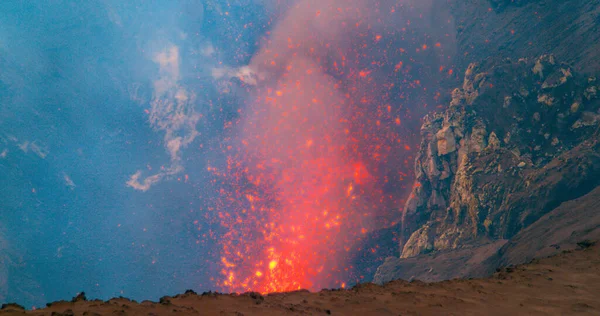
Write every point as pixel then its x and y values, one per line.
pixel 315 148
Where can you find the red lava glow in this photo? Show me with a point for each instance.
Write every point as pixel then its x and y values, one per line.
pixel 311 154
pixel 306 184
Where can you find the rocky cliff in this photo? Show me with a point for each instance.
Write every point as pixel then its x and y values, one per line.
pixel 519 138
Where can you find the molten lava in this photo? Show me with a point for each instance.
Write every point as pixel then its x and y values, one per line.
pixel 310 166
pixel 299 195
pixel 304 194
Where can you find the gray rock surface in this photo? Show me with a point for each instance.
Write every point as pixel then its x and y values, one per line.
pixel 569 226
pixel 509 150
pixel 526 28
pixel 483 159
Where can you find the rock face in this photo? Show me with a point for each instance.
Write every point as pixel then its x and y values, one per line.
pixel 567 227
pixel 519 138
pixel 529 28
pixel 502 4
pixel 440 265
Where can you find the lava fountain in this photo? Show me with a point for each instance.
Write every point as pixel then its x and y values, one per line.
pixel 306 178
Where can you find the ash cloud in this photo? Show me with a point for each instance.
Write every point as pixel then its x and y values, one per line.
pixel 76 80
pixel 322 30
pixel 172 112
pixel 309 76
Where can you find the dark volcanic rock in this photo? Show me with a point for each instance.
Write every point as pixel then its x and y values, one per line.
pixel 570 29
pixel 518 140
pixel 499 5
pixel 572 224
pixel 438 266
pixel 568 227
pixel 515 142
pixel 79 298
pixel 12 307
pixel 371 252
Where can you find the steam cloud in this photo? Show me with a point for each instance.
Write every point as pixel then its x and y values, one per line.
pixel 336 41
pixel 172 112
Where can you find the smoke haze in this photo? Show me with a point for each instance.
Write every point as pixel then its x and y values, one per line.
pixel 312 140
pixel 147 147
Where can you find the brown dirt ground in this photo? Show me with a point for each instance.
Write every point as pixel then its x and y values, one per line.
pixel 568 283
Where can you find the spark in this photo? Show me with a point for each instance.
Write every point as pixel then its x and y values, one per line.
pixel 272 265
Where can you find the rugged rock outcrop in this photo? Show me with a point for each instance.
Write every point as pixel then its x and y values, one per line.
pixel 516 141
pixel 520 137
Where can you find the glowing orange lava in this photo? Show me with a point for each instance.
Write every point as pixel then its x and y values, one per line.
pixel 301 183
pixel 312 153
